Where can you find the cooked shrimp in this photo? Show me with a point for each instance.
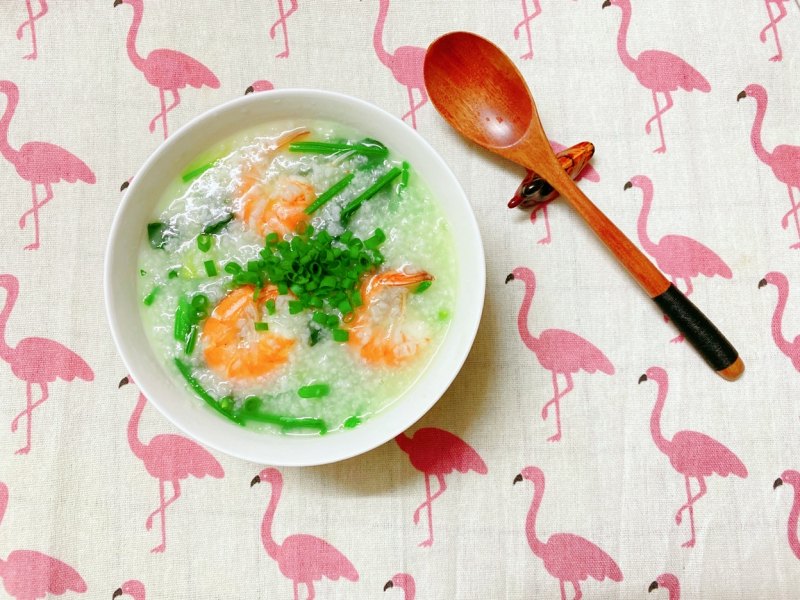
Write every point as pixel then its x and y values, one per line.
pixel 377 331
pixel 233 349
pixel 273 205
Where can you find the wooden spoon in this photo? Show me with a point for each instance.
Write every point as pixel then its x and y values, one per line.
pixel 480 92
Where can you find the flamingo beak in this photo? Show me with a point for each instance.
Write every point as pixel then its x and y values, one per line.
pixel 118 591
pixel 653 586
pixel 778 483
pixel 116 4
pixel 509 277
pixel 389 585
pixel 124 186
pixel 606 4
pixel 628 185
pixel 642 378
pixel 255 480
pixel 124 381
pixel 249 90
pixel 741 95
pixel 517 479
pixel 762 283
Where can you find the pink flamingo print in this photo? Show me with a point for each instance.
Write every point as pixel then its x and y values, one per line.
pixel 132 588
pixel 39 163
pixel 692 454
pixel 168 70
pixel 284 14
pixel 42 12
pixel 792 477
pixel 436 453
pixel 773 24
pixel 168 458
pixel 405 582
pixel 36 361
pixel 302 558
pixel 669 582
pixel 658 71
pixel 678 256
pixel 405 64
pixel 784 160
pixel 262 85
pixel 589 173
pixel 790 349
pixel 566 556
pixel 560 352
pixel 28 575
pixel 526 24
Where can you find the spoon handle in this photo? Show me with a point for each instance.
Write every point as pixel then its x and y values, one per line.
pixel 698 330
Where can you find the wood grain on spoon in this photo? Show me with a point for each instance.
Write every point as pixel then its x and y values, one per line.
pixel 480 92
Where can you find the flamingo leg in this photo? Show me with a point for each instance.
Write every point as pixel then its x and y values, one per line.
pixel 578 593
pixel 175 494
pixel 773 24
pixel 526 23
pixel 556 400
pixel 690 500
pixel 176 99
pixel 542 207
pixel 27 413
pixel 162 509
pixel 31 23
pixel 311 593
pixel 34 210
pixel 428 500
pixel 657 117
pixel 413 110
pixel 793 213
pixel 295 585
pixel 563 589
pixel 282 22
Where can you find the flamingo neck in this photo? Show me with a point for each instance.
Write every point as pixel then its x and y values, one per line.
pixel 777 319
pixel 622 39
pixel 794 543
pixel 537 546
pixel 522 319
pixel 139 449
pixel 377 35
pixel 11 105
pixel 137 60
pixel 755 133
pixel 410 589
pixel 270 545
pixel 661 442
pixel 674 592
pixel 641 224
pixel 12 291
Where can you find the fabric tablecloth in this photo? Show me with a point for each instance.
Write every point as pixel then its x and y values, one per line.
pixel 75 504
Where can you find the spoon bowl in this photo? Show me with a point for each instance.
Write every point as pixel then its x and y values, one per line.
pixel 477 88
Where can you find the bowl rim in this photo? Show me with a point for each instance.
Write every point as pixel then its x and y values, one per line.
pixel 457 361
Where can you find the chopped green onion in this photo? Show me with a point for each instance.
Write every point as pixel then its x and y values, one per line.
pixel 295 306
pixel 320 317
pixel 313 336
pixel 233 268
pixel 283 289
pixel 351 422
pixel 340 335
pixel 200 302
pixel 330 193
pixel 422 287
pixel 334 148
pixel 314 391
pixel 261 326
pixel 189 175
pixel 286 423
pixel 172 274
pixel 378 237
pixel 443 315
pixel 211 268
pixel 272 238
pixel 158 233
pixel 219 225
pixel 148 300
pixel 142 272
pixel 345 307
pixel 404 176
pixel 333 321
pixel 382 182
pixel 191 340
pixel 270 304
pixel 204 242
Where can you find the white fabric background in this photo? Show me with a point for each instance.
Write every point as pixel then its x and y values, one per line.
pixel 82 496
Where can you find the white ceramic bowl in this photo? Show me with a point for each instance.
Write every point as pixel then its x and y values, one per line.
pixel 168 392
